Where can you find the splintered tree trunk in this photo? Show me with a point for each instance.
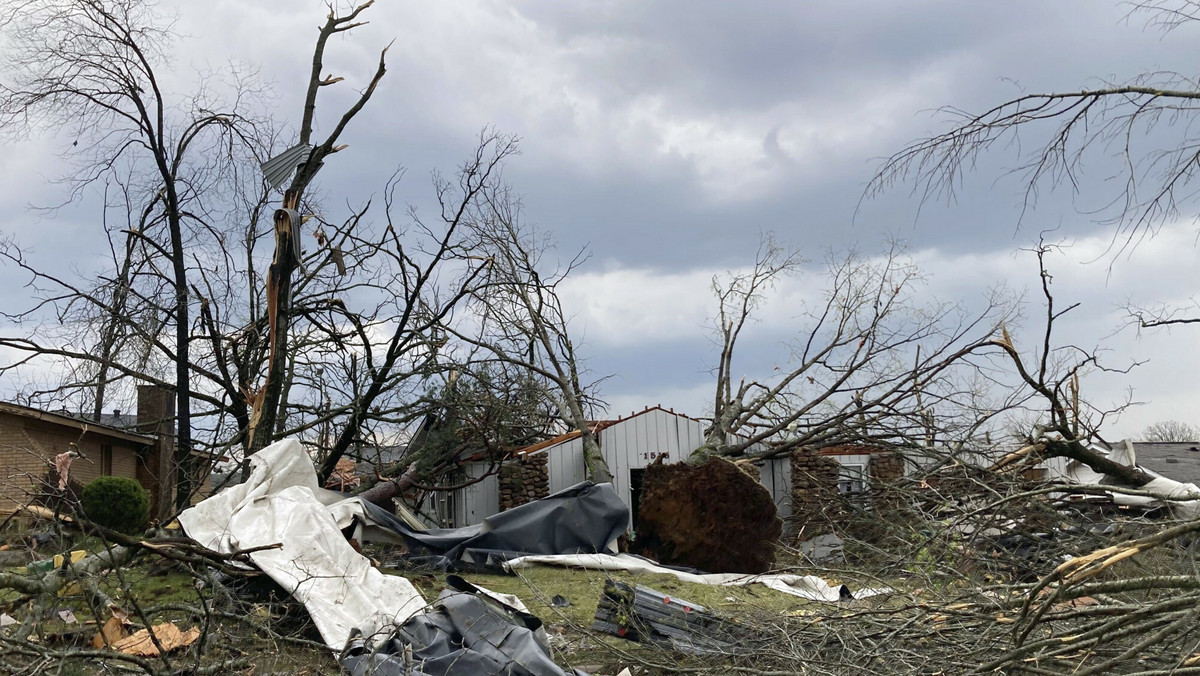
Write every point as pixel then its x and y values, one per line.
pixel 279 298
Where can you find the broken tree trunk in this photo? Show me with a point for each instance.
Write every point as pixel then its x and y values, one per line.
pixel 384 492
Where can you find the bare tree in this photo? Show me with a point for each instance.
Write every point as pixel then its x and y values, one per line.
pixel 92 66
pixel 868 363
pixel 423 302
pixel 1170 430
pixel 521 321
pixel 1142 128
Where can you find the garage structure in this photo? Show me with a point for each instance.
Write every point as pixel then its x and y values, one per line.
pixel 628 444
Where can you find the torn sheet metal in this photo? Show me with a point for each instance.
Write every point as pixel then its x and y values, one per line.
pixel 1182 498
pixel 282 504
pixel 808 587
pixel 645 615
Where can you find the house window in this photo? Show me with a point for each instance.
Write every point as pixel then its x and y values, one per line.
pixel 106 460
pixel 852 479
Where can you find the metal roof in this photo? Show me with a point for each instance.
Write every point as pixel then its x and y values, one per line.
pixel 277 169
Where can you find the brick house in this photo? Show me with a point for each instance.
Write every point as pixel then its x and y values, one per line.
pixel 31 438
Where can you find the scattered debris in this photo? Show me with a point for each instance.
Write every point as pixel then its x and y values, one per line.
pixel 344 477
pixel 7 620
pixel 48 565
pixel 113 631
pixel 62 465
pixel 466 631
pixel 644 615
pixel 714 517
pixel 559 601
pixel 67 616
pixel 827 548
pixel 808 587
pixel 169 637
pixel 282 504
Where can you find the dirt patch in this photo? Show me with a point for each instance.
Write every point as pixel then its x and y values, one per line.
pixel 714 517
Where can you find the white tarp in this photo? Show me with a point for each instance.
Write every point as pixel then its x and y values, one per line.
pixel 282 503
pixel 808 587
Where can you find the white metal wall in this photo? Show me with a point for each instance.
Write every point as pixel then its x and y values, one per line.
pixel 565 464
pixel 478 501
pixel 776 475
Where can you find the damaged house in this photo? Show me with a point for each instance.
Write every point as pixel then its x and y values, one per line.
pixel 1173 468
pixel 807 478
pixel 628 444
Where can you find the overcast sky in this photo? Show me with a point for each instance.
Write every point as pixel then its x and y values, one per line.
pixel 665 136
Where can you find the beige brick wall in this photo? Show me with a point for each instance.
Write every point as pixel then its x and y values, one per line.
pixel 28 446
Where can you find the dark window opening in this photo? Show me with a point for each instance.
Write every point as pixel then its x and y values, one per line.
pixel 852 480
pixel 635 494
pixel 106 460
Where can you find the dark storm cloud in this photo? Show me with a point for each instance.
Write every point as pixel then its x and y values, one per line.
pixel 667 135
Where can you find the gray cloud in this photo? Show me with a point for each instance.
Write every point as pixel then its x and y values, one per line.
pixel 666 135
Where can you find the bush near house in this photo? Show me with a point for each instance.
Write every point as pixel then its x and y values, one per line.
pixel 115 502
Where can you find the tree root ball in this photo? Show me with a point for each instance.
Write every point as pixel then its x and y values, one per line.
pixel 713 516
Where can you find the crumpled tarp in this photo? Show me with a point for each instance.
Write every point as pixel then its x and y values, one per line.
pixel 584 518
pixel 281 503
pixel 808 587
pixel 467 631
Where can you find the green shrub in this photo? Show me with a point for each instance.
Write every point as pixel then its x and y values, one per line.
pixel 116 502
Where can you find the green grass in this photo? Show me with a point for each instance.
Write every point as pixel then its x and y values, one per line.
pixel 570 627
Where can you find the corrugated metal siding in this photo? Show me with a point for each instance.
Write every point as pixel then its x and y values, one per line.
pixel 565 464
pixel 776 475
pixel 479 500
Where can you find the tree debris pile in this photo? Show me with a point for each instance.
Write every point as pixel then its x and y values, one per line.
pixel 713 516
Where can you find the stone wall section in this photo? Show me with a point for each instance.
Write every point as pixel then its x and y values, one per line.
pixel 815 501
pixel 524 480
pixel 885 470
pixel 818 508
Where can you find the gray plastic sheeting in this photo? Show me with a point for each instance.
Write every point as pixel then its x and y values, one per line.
pixel 461 634
pixel 585 518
